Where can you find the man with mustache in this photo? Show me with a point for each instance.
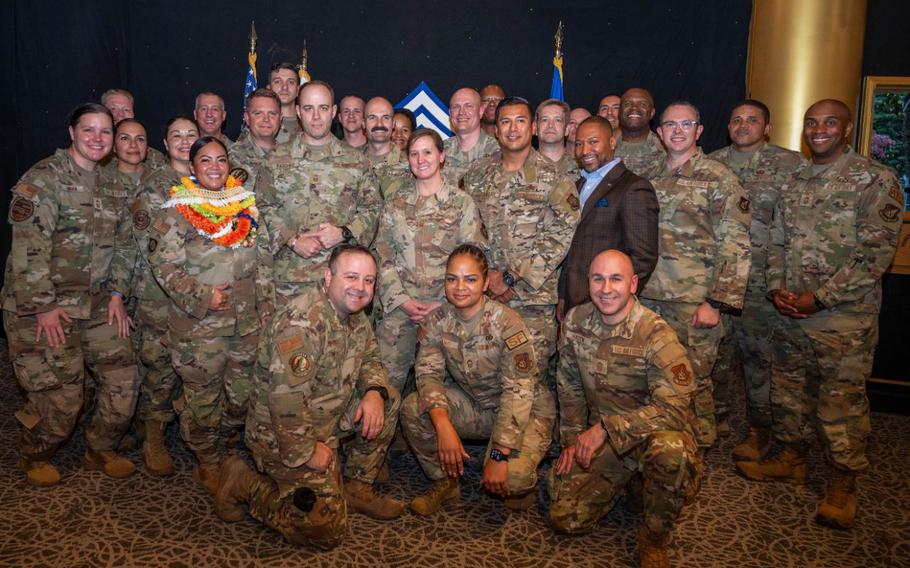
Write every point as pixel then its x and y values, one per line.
pixel 640 149
pixel 323 194
pixel 551 119
pixel 618 211
pixel 762 168
pixel 833 235
pixel 470 144
pixel 490 97
pixel 705 252
pixel 387 160
pixel 624 386
pixel 318 376
pixel 285 82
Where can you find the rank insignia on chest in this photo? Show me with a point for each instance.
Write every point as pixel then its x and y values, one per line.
pixel 889 212
pixel 153 245
pixel 681 375
pixel 573 202
pixel 515 341
pixel 744 204
pixel 523 362
pixel 141 220
pixel 300 365
pixel 240 174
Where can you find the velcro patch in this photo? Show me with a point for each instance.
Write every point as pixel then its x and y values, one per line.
pixel 523 362
pixel 702 184
pixel 240 174
pixel 300 365
pixel 895 194
pixel 21 209
pixel 161 225
pixel 24 190
pixel 141 220
pixel 681 375
pixel 744 204
pixel 289 344
pixel 631 351
pixel 573 202
pixel 515 341
pixel 889 212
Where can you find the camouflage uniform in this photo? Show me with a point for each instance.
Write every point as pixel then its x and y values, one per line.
pixel 482 372
pixel 389 168
pixel 312 185
pixel 530 216
pixel 633 379
pixel 459 162
pixel 65 222
pixel 289 129
pixel 643 158
pixel 313 371
pixel 748 337
pixel 567 164
pixel 245 157
pixel 212 351
pixel 834 233
pixel 704 255
pixel 416 235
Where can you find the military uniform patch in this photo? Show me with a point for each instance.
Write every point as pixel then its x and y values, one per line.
pixel 515 341
pixel 523 362
pixel 240 174
pixel 631 351
pixel 681 375
pixel 26 190
pixel 744 204
pixel 161 226
pixel 300 365
pixel 292 343
pixel 141 220
pixel 889 212
pixel 153 245
pixel 805 200
pixel 895 194
pixel 21 209
pixel 573 202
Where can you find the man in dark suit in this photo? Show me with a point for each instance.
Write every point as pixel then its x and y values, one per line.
pixel 618 211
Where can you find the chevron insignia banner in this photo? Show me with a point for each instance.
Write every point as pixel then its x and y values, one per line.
pixel 429 111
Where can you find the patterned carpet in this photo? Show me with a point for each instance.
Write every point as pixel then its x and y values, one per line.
pixel 90 520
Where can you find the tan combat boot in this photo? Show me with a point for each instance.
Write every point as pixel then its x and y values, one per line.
pixel 206 474
pixel 652 550
pixel 442 491
pixel 754 446
pixel 838 509
pixel 109 462
pixel 154 454
pixel 694 487
pixel 234 485
pixel 39 473
pixel 362 497
pixel 788 466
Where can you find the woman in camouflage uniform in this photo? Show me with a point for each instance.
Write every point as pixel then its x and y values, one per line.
pixel 209 251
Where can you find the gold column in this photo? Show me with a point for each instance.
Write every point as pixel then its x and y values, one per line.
pixel 801 51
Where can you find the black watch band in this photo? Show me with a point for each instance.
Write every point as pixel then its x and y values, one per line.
pixel 715 304
pixel 818 303
pixel 508 279
pixel 383 392
pixel 346 235
pixel 497 455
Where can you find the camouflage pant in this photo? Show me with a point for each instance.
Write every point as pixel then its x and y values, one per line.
pixel 53 382
pixel 216 373
pixel 397 337
pixel 746 351
pixel 541 322
pixel 324 526
pixel 474 423
pixel 666 462
pixel 160 383
pixel 701 347
pixel 819 372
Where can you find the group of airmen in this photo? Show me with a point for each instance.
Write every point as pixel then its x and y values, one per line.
pixel 308 308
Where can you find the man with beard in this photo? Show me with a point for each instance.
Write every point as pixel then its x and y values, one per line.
pixel 285 82
pixel 762 169
pixel 550 119
pixel 490 97
pixel 639 148
pixel 833 235
pixel 350 116
pixel 609 108
pixel 470 142
pixel 387 160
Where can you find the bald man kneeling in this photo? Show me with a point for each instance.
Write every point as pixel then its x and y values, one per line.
pixel 625 387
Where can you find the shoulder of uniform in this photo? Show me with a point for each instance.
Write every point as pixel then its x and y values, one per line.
pixel 579 314
pixel 720 154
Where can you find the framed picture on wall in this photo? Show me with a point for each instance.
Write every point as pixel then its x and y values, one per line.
pixel 884 136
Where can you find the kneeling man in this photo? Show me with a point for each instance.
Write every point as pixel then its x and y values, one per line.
pixel 318 377
pixel 625 387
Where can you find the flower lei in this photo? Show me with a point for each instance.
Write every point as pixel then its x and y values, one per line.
pixel 226 217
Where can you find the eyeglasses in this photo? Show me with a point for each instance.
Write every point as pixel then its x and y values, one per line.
pixel 684 125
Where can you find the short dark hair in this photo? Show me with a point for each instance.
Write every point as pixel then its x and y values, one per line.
pixel 282 65
pixel 316 83
pixel 263 93
pixel 344 249
pixel 599 120
pixel 473 251
pixel 177 117
pixel 766 112
pixel 423 133
pixel 513 101
pixel 203 141
pixel 88 108
pixel 681 103
pixel 409 115
pixel 126 121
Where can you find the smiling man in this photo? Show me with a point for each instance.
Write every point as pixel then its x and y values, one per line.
pixel 634 418
pixel 389 163
pixel 263 118
pixel 833 236
pixel 639 148
pixel 470 143
pixel 551 120
pixel 610 108
pixel 704 257
pixel 210 116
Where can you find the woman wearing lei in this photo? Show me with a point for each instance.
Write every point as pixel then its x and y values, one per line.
pixel 209 251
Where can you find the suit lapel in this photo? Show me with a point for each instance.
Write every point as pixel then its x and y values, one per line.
pixel 601 190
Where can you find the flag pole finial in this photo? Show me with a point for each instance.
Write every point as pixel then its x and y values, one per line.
pixel 303 56
pixel 559 36
pixel 253 37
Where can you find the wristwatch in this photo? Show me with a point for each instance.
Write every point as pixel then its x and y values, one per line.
pixel 818 303
pixel 498 456
pixel 346 235
pixel 381 390
pixel 508 279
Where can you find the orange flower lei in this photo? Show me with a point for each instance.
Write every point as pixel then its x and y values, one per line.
pixel 227 217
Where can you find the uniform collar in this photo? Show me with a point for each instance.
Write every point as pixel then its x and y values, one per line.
pixel 624 329
pixel 832 171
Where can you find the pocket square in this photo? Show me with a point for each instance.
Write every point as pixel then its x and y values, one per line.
pixel 602 202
